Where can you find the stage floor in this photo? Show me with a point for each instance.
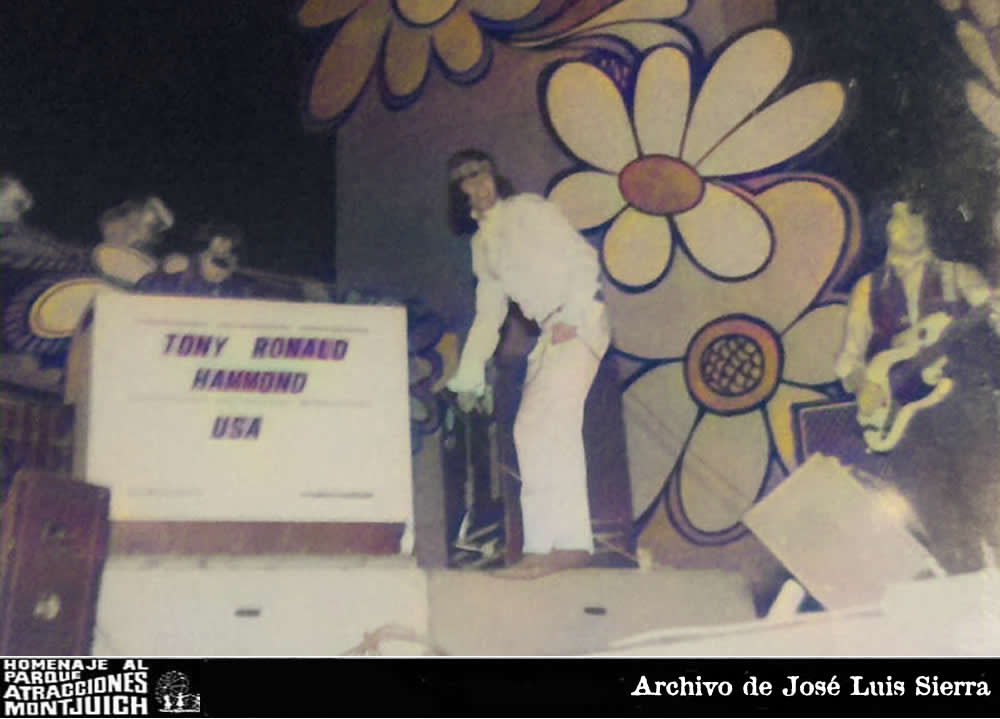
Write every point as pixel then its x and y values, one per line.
pixel 324 606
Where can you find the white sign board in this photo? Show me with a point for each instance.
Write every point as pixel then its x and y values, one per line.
pixel 246 410
pixel 845 543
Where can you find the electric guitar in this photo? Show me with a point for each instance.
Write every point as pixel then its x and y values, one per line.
pixel 911 375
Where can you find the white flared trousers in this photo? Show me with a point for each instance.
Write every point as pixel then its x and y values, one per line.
pixel 548 436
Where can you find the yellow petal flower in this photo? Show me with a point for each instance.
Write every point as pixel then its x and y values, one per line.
pixel 739 81
pixel 778 132
pixel 977 47
pixel 727 234
pixel 424 12
pixel 588 113
pixel 662 98
pixel 347 63
pixel 503 10
pixel 588 198
pixel 406 59
pixel 459 42
pixel 637 248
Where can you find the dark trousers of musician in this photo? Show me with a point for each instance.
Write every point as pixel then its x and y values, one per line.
pixel 947 464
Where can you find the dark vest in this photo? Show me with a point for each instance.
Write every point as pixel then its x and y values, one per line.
pixel 887 304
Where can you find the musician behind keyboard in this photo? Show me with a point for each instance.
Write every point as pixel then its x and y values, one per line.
pixel 925 382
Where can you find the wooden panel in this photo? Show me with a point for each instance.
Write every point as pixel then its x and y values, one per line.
pixel 430 499
pixel 255 537
pixel 35 433
pixel 607 470
pixel 54 537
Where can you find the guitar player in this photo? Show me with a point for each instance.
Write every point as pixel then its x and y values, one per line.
pixel 946 461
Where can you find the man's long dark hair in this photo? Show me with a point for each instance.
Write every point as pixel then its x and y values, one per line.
pixel 459 217
pixel 958 217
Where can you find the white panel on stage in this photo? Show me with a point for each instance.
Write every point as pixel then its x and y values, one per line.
pixel 844 542
pixel 245 410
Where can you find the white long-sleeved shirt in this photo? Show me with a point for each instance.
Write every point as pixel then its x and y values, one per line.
pixel 958 280
pixel 527 251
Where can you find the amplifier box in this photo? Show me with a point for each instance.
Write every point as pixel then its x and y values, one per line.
pixel 54 537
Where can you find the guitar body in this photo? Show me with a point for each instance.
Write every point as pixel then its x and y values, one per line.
pixel 883 437
pixel 909 385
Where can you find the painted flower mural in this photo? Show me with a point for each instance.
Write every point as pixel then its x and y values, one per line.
pixel 979 35
pixel 402 37
pixel 411 32
pixel 662 171
pixel 708 412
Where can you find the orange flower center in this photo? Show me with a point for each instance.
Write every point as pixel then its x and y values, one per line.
pixel 660 185
pixel 733 364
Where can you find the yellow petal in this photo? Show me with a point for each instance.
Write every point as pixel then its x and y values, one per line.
pixel 726 233
pixel 407 53
pixel 723 469
pixel 977 47
pixel 812 343
pixel 589 115
pixel 459 42
pixel 778 132
pixel 985 105
pixel 659 415
pixel 588 198
pixel 987 12
pixel 347 63
pixel 424 12
pixel 741 79
pixel 662 96
pixel 637 248
pixel 503 10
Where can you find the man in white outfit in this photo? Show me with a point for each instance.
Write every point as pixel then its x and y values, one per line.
pixel 525 250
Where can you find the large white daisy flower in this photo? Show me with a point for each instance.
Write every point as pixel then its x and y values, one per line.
pixel 662 168
pixel 722 363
